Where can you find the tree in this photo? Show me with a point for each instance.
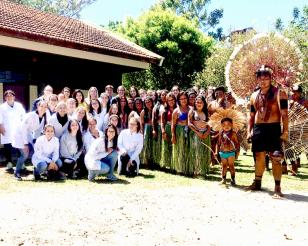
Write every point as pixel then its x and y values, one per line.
pixel 196 10
pixel 279 24
pixel 297 31
pixel 69 8
pixel 183 45
pixel 214 72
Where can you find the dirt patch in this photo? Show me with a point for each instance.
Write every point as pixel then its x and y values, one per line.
pixel 201 213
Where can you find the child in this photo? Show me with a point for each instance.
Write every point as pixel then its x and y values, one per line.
pixel 228 147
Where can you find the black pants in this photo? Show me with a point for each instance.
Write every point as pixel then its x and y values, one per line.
pixel 7 152
pixel 132 170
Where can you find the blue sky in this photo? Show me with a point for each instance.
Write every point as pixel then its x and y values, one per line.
pixel 238 14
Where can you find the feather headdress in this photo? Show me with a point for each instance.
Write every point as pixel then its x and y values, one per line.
pixel 277 52
pixel 237 118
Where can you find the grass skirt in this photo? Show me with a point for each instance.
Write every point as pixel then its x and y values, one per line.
pixel 146 156
pixel 180 151
pixel 156 147
pixel 166 149
pixel 199 155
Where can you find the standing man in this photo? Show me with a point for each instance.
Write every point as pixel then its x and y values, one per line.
pixel 296 96
pixel 269 107
pixel 109 92
pixel 121 93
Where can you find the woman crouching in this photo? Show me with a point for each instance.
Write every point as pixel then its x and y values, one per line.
pixel 102 155
pixel 46 155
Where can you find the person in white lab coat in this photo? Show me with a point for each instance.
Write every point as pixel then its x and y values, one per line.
pixel 46 155
pixel 11 114
pixel 130 144
pixel 102 155
pixel 91 134
pixel 60 120
pixel 30 128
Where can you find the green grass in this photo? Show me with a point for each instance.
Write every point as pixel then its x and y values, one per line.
pixel 149 179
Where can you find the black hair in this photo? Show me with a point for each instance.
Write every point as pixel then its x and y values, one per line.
pixel 74 96
pixel 136 100
pixel 182 93
pixel 136 90
pixel 226 119
pixel 114 140
pixel 146 110
pixel 78 135
pixel 91 109
pixel 264 70
pixel 204 109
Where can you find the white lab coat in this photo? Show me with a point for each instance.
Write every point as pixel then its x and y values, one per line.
pixel 88 139
pixel 59 129
pixel 96 152
pixel 10 118
pixel 132 144
pixel 29 129
pixel 45 150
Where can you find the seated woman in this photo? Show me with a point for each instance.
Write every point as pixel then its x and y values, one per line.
pixel 91 134
pixel 102 155
pixel 71 146
pixel 130 145
pixel 46 155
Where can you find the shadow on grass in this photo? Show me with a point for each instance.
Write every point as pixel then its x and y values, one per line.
pixel 302 176
pixel 146 176
pixel 107 181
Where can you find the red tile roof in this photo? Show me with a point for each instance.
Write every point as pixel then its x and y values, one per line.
pixel 27 23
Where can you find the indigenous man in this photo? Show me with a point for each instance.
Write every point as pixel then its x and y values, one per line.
pixel 269 106
pixel 296 96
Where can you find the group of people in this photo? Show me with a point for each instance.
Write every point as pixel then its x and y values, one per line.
pixel 73 136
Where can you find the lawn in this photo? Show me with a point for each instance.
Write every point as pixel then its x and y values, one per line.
pixel 152 179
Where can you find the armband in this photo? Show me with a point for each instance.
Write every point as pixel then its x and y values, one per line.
pixel 283 103
pixel 252 109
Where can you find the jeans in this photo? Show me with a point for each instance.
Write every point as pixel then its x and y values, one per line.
pixel 42 166
pixel 107 165
pixel 21 159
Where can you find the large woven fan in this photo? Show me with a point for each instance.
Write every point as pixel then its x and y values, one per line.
pixel 298 131
pixel 273 50
pixel 237 117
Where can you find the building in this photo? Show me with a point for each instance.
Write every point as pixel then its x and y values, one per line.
pixel 39 48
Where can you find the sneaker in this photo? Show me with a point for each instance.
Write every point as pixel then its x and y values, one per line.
pixel 9 168
pixel 91 175
pixel 233 183
pixel 75 174
pixel 223 181
pixel 37 177
pixel 60 176
pixel 17 176
pixel 111 177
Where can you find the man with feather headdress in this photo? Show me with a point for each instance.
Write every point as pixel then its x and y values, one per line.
pixel 269 108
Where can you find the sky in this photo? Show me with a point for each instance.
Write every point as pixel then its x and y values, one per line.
pixel 238 14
